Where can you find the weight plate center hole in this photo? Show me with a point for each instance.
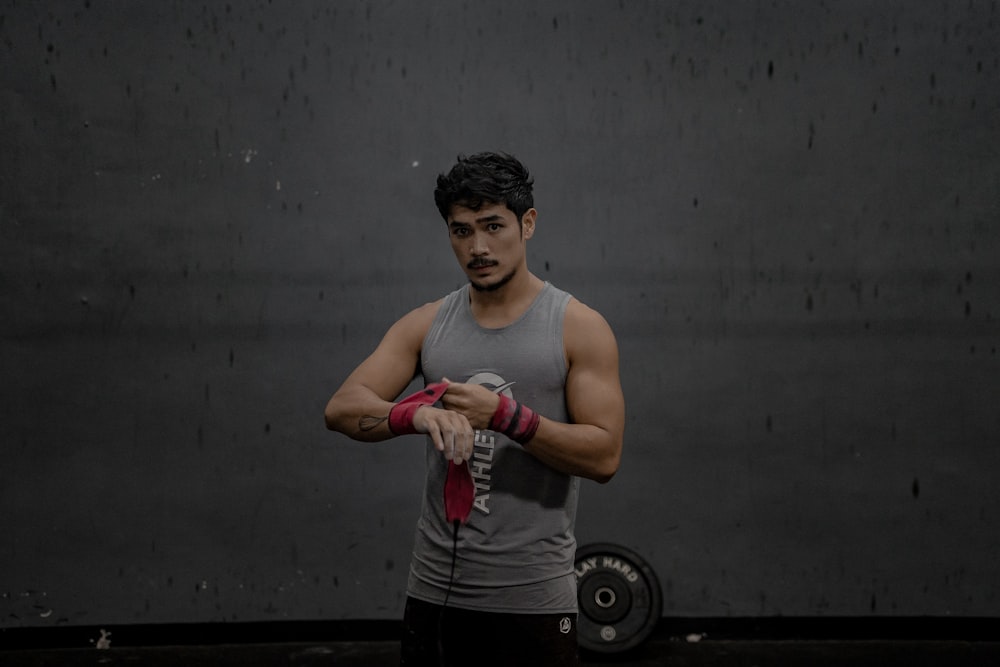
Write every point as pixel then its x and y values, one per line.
pixel 604 597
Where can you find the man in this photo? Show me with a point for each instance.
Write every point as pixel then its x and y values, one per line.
pixel 531 402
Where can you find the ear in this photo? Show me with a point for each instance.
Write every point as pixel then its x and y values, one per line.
pixel 528 223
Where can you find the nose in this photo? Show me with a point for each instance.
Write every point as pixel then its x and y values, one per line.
pixel 479 245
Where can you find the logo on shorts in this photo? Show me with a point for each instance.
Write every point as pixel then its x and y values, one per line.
pixel 565 625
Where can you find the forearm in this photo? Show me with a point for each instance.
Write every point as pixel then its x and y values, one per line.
pixel 590 450
pixel 360 414
pixel 583 450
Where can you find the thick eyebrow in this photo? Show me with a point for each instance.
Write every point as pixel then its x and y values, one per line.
pixel 485 220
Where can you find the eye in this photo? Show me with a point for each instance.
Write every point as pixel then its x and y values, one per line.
pixel 494 227
pixel 460 231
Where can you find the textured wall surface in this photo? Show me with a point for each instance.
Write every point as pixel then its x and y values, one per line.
pixel 209 213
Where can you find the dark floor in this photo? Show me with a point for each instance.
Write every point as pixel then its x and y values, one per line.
pixel 673 653
pixel 674 642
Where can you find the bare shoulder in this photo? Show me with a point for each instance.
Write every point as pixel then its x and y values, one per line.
pixel 388 369
pixel 413 326
pixel 423 315
pixel 587 333
pixel 579 314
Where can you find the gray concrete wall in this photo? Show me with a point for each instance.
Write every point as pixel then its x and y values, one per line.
pixel 209 213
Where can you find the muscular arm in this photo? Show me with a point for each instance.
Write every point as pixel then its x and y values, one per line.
pixel 360 408
pixel 590 445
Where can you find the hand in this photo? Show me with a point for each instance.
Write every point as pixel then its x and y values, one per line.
pixel 450 431
pixel 476 403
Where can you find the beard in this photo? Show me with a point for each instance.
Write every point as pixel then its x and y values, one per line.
pixel 492 287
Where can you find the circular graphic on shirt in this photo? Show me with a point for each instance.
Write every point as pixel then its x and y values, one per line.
pixel 493 382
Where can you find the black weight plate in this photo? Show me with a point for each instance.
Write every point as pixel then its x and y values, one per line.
pixel 604 597
pixel 619 598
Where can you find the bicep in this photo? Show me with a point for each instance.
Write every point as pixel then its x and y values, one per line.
pixel 593 386
pixel 395 361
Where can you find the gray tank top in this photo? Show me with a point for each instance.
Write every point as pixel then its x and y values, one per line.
pixel 516 552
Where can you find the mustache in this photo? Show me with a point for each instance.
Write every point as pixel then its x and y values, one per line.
pixel 481 262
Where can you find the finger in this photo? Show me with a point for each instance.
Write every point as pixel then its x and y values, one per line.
pixel 463 452
pixel 452 406
pixel 458 440
pixel 468 445
pixel 449 444
pixel 464 438
pixel 435 433
pixel 425 424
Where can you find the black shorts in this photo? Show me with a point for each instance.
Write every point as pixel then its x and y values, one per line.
pixel 434 636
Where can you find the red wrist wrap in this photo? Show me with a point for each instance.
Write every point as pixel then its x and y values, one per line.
pixel 401 415
pixel 518 422
pixel 459 489
pixel 401 418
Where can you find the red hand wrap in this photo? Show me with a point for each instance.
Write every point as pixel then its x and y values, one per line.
pixel 459 492
pixel 459 489
pixel 401 415
pixel 518 422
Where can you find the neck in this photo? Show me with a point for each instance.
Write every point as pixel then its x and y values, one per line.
pixel 499 307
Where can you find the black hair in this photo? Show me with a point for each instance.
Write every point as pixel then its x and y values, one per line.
pixel 485 178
